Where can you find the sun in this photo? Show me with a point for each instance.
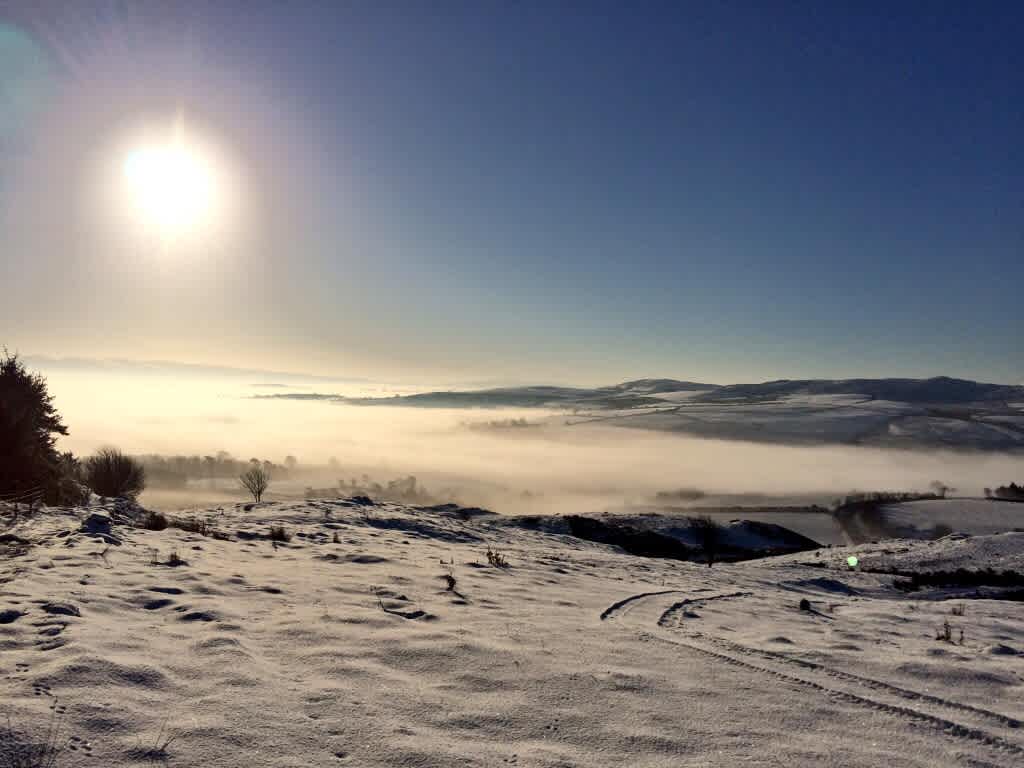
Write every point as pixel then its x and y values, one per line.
pixel 171 186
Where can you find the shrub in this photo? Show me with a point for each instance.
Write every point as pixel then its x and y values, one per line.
pixel 66 493
pixel 65 487
pixel 154 521
pixel 193 525
pixel 255 481
pixel 112 473
pixel 174 560
pixel 278 533
pixel 496 559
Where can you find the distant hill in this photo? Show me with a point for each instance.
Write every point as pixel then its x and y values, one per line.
pixel 657 386
pixel 941 412
pixel 629 394
pixel 941 389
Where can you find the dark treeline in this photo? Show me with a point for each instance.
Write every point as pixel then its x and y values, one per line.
pixel 1011 492
pixel 177 471
pixel 404 489
pixel 874 499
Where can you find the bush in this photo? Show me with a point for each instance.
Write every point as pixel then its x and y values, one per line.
pixel 175 560
pixel 495 559
pixel 154 521
pixel 278 533
pixel 112 473
pixel 65 487
pixel 193 525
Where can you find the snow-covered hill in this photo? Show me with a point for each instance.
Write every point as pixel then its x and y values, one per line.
pixel 384 635
pixel 909 413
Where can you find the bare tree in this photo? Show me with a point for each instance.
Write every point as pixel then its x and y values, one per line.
pixel 255 481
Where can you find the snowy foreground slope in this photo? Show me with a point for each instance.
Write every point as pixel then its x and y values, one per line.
pixel 344 647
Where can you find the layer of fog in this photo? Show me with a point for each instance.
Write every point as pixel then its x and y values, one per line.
pixel 540 468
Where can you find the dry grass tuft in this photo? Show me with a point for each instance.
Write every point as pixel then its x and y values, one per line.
pixel 44 753
pixel 495 559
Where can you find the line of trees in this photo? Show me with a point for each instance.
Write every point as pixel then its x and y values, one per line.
pixel 1012 492
pixel 404 489
pixel 177 471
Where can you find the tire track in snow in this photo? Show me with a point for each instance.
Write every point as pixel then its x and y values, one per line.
pixel 948 727
pixel 622 607
pixel 615 610
pixel 745 657
pixel 867 682
pixel 671 617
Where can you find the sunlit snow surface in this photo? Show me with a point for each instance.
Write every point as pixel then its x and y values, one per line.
pixel 344 646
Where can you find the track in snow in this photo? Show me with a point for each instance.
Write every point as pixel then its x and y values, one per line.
pixel 848 687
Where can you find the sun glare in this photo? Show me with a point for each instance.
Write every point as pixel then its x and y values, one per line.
pixel 171 186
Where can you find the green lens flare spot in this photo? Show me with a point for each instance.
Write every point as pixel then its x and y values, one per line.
pixel 852 561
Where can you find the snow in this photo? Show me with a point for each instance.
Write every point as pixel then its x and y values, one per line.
pixel 968 515
pixel 316 652
pixel 1001 552
pixel 682 397
pixel 840 418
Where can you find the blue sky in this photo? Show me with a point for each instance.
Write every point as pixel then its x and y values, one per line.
pixel 573 192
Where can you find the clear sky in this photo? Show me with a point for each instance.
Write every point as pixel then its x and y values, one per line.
pixel 577 192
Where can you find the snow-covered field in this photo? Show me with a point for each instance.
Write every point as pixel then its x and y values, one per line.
pixel 834 419
pixel 976 516
pixel 344 647
pixel 1001 552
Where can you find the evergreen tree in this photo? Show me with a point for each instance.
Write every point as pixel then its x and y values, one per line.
pixel 29 426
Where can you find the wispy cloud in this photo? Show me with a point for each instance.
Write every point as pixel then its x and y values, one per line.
pixel 163 367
